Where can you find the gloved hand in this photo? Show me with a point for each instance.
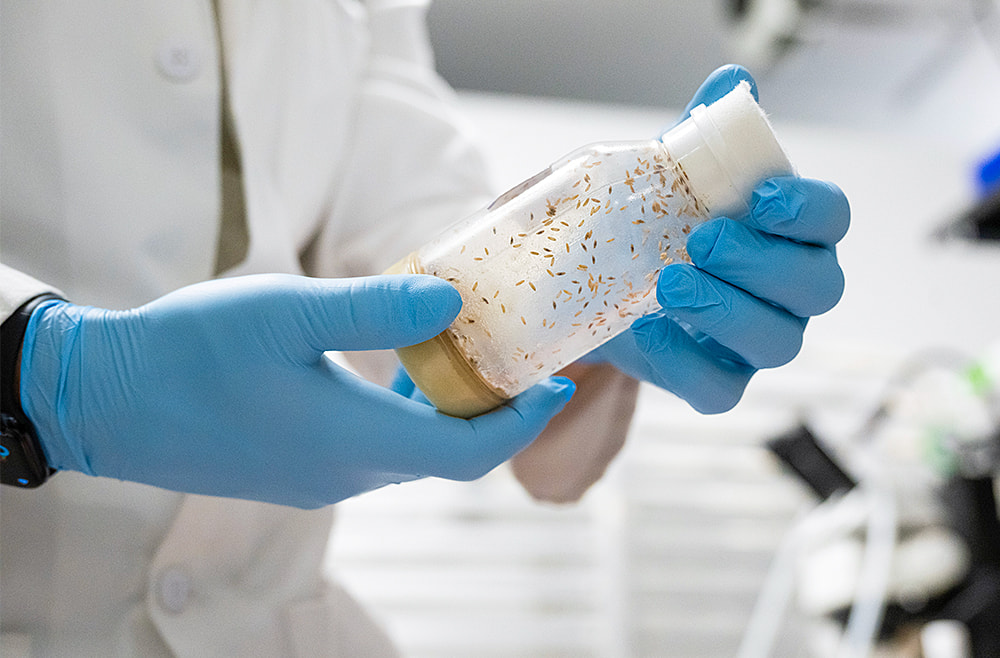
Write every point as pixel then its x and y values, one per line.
pixel 744 301
pixel 222 388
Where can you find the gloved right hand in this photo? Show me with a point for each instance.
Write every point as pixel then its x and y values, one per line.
pixel 222 388
pixel 744 300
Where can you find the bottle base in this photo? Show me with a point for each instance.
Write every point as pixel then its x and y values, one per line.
pixel 441 372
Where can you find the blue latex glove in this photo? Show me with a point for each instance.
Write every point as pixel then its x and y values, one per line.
pixel 222 388
pixel 744 302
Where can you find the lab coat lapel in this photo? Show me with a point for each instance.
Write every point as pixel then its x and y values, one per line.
pixel 291 74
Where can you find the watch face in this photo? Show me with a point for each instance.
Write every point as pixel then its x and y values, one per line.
pixel 20 462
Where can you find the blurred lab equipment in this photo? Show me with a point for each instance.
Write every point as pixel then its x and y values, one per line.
pixel 763 31
pixel 901 557
pixel 982 220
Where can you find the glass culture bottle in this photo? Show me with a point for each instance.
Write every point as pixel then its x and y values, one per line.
pixel 568 259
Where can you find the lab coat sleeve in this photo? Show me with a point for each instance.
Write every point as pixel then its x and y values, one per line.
pixel 16 288
pixel 415 167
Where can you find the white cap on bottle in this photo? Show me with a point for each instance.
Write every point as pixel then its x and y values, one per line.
pixel 726 149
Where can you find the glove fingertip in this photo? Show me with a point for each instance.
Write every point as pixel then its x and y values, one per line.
pixel 564 386
pixel 439 296
pixel 720 82
pixel 703 240
pixel 434 304
pixel 734 74
pixel 544 400
pixel 810 210
pixel 540 403
pixel 508 429
pixel 676 286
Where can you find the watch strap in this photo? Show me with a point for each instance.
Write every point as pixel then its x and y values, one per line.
pixel 22 460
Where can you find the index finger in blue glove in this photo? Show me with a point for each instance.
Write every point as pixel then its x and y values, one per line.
pixel 343 436
pixel 510 428
pixel 803 209
pixel 466 449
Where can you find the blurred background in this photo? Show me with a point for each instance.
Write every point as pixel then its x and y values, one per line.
pixel 700 541
pixel 912 66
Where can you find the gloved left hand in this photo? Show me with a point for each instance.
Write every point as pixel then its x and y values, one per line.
pixel 744 301
pixel 222 388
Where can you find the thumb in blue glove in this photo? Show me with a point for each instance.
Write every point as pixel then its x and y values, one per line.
pixel 222 388
pixel 743 302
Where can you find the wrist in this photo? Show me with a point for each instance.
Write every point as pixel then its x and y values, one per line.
pixel 50 378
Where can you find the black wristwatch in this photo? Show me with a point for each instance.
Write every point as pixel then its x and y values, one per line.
pixel 22 461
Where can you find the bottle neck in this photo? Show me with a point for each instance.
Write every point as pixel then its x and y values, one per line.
pixel 709 180
pixel 726 149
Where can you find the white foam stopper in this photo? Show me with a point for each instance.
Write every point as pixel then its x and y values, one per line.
pixel 726 149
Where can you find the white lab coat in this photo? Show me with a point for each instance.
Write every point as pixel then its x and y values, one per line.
pixel 351 155
pixel 348 143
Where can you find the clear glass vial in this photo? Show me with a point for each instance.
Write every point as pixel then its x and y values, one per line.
pixel 569 259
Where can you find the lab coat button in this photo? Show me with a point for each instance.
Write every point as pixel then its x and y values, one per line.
pixel 179 61
pixel 173 590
